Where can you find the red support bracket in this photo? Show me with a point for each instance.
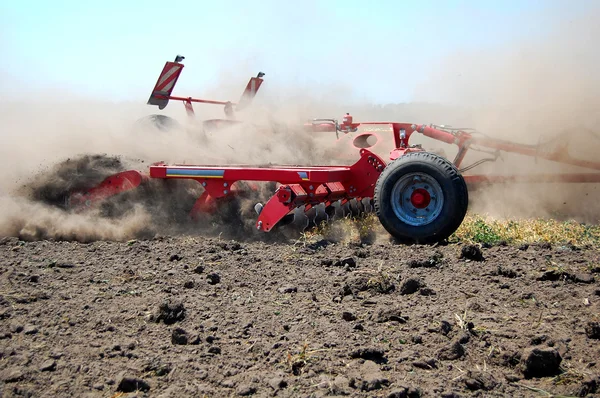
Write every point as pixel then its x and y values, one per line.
pixel 286 199
pixel 189 109
pixel 363 175
pixel 217 188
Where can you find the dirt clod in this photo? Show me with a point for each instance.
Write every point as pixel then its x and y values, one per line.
pixel 463 338
pixel 30 329
pixel 277 383
pixel 348 316
pixel 506 272
pixel 245 390
pixel 374 382
pixel 433 261
pixel 213 278
pixel 129 384
pixel 476 380
pixel 345 262
pixel 471 252
pixel 363 283
pixel 583 278
pixel 589 386
pixel 427 291
pixel 592 330
pixel 287 289
pixel 359 326
pixel 369 353
pixel 417 339
pixel 451 352
pixel 540 362
pixel 189 284
pixel 425 364
pixel 170 313
pixel 179 336
pixel 561 275
pixel 11 375
pixel 445 327
pixel 390 315
pixel 404 392
pixel 539 339
pixel 157 367
pixel 48 365
pixel 410 286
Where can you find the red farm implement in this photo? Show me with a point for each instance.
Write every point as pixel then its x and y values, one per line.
pixel 418 196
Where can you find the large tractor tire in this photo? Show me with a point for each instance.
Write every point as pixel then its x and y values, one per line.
pixel 421 198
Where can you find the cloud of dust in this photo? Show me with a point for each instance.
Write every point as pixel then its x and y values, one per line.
pixel 542 90
pixel 35 221
pixel 50 147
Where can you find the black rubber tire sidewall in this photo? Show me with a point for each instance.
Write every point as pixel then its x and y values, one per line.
pixel 453 187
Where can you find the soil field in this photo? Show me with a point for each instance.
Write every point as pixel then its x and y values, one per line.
pixel 190 316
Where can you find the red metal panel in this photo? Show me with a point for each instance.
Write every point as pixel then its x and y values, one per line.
pixel 299 193
pixel 249 92
pixel 336 191
pixel 282 174
pixel 320 193
pixel 165 84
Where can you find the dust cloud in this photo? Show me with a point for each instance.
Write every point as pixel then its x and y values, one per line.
pixel 543 90
pixel 55 148
pixel 32 221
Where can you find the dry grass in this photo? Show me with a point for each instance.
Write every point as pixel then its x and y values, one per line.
pixel 475 228
pixel 346 230
pixel 483 229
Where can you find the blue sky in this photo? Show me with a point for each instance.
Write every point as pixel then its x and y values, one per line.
pixel 114 49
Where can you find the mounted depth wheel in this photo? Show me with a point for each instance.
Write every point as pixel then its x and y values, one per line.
pixel 421 198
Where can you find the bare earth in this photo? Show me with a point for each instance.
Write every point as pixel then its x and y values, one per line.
pixel 207 317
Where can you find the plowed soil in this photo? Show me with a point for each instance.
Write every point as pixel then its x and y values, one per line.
pixel 191 316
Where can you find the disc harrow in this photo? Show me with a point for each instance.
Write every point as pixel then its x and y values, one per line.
pixel 418 196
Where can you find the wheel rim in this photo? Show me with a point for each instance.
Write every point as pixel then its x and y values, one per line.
pixel 417 199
